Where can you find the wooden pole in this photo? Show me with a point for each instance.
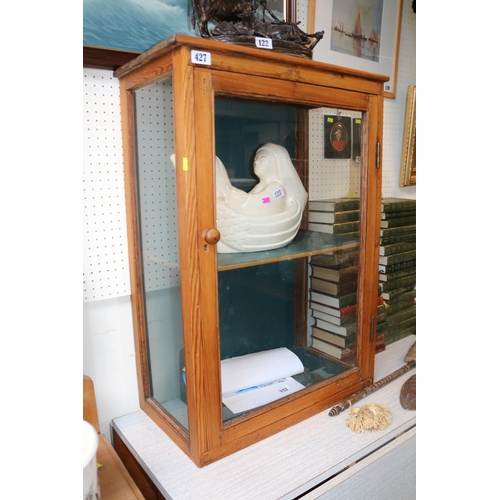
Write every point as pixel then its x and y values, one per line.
pixel 343 405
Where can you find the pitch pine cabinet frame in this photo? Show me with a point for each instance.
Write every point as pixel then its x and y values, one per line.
pixel 240 72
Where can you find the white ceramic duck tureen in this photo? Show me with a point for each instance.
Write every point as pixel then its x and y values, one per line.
pixel 268 216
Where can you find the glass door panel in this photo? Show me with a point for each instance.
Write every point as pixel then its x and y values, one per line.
pixel 287 314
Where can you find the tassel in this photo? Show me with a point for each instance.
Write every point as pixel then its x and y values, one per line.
pixel 369 418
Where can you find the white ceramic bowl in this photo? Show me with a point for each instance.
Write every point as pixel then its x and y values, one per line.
pixel 91 490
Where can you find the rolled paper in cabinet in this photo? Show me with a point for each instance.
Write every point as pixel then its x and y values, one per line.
pixel 250 370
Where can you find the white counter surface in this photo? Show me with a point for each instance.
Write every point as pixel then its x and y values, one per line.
pixel 282 466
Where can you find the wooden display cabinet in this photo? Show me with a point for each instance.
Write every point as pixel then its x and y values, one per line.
pixel 192 306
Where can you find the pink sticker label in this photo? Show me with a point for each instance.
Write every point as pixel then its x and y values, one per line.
pixel 266 200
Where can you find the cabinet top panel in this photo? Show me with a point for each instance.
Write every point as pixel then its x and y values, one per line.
pixel 220 51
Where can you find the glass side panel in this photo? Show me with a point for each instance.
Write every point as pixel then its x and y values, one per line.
pixel 288 265
pixel 158 242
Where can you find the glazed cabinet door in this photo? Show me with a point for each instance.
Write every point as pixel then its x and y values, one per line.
pixel 289 298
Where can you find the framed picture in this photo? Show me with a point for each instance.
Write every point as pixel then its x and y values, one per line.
pixel 337 136
pixel 408 173
pixel 132 27
pixel 359 34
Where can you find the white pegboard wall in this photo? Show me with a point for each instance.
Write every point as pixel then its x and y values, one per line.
pixel 105 255
pixel 328 178
pixel 302 6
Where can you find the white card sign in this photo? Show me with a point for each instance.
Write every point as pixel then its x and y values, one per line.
pixel 199 57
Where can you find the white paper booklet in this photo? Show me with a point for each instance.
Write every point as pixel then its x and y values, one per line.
pixel 250 370
pixel 252 397
pixel 259 378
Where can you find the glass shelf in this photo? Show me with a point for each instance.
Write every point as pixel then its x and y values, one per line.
pixel 305 244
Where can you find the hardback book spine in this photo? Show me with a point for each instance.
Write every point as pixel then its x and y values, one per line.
pixel 333 288
pixel 334 339
pixel 396 258
pixel 409 271
pixel 402 221
pixel 397 204
pixel 332 311
pixel 398 214
pixel 403 325
pixel 403 315
pixel 333 217
pixel 338 302
pixel 405 296
pixel 346 216
pixel 335 204
pixel 346 320
pixel 397 267
pixel 321 217
pixel 345 311
pixel 404 282
pixel 336 260
pixel 339 330
pixel 398 238
pixel 401 334
pixel 320 227
pixel 345 227
pixel 335 275
pixel 397 248
pixel 332 350
pixel 394 296
pixel 381 312
pixel 399 306
pixel 392 231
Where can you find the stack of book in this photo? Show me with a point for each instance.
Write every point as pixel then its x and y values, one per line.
pixel 333 302
pixel 397 268
pixel 336 215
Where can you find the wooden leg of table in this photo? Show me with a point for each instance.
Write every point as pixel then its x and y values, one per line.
pixel 114 480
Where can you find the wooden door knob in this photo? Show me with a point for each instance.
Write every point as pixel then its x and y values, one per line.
pixel 211 236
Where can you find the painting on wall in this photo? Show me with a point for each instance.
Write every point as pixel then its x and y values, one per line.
pixel 408 173
pixel 133 25
pixel 137 25
pixel 337 137
pixel 359 34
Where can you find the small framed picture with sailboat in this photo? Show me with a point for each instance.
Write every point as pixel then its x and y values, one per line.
pixel 359 34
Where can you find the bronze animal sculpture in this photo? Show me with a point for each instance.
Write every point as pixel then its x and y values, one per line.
pixel 238 23
pixel 220 11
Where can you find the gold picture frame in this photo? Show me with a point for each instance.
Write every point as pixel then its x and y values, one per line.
pixel 408 173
